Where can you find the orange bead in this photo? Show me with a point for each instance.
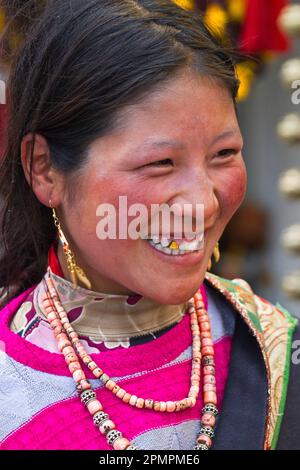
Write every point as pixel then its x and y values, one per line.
pixel 163 406
pixel 121 444
pixel 97 372
pixel 156 406
pixel 203 318
pixel 126 397
pixel 209 388
pixel 133 400
pixel 205 326
pixel 94 406
pixel 203 439
pixel 106 426
pixel 205 334
pixel 149 403
pixel 207 351
pixel 208 420
pixel 74 366
pixel 193 401
pixel 110 384
pixel 209 379
pixel 140 403
pixel 210 397
pixel 171 406
pixel 207 370
pixel 120 393
pixel 78 375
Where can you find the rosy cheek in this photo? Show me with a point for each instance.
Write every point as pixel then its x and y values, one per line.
pixel 233 191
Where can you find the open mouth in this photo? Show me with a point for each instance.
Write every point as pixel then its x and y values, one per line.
pixel 177 247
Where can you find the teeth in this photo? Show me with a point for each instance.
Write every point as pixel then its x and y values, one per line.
pixel 165 242
pixel 155 239
pixel 174 247
pixel 157 246
pixel 189 245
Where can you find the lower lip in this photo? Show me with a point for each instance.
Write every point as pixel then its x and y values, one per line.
pixel 187 259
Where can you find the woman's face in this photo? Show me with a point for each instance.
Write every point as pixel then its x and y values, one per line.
pixel 204 165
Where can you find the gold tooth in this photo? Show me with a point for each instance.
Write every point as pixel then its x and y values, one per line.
pixel 174 245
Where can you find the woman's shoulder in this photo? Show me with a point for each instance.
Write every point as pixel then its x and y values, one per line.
pixel 241 290
pixel 263 316
pixel 278 334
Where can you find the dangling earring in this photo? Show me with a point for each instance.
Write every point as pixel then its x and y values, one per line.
pixel 76 273
pixel 216 254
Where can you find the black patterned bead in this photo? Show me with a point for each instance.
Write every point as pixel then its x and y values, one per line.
pixel 106 426
pixel 208 361
pixel 99 417
pixel 81 386
pixel 211 409
pixel 113 435
pixel 104 378
pixel 131 447
pixel 200 447
pixel 208 431
pixel 87 396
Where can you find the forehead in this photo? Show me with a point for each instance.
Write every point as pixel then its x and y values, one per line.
pixel 186 115
pixel 178 108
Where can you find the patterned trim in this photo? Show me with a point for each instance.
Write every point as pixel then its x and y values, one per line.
pixel 286 374
pixel 273 327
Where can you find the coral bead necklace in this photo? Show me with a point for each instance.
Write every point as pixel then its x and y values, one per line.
pixel 70 346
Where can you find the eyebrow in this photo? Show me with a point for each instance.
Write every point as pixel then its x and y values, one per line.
pixel 150 144
pixel 229 133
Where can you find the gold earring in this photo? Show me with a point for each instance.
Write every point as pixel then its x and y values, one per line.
pixel 217 256
pixel 76 273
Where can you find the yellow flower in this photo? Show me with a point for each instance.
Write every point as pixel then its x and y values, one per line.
pixel 237 9
pixel 186 4
pixel 245 74
pixel 216 19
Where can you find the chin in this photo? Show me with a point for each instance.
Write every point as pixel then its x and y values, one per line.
pixel 177 293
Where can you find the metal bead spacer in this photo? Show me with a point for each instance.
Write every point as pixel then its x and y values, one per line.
pixel 99 417
pixel 200 447
pixel 113 435
pixel 207 431
pixel 211 409
pixel 87 395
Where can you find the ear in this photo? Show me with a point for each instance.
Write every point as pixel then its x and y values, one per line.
pixel 47 182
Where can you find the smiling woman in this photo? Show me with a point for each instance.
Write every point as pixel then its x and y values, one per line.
pixel 130 99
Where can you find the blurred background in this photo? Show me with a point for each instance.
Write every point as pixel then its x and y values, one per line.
pixel 262 242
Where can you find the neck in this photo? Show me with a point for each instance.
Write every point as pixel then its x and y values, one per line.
pixel 99 283
pixel 106 317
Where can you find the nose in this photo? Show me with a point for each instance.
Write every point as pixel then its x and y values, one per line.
pixel 198 189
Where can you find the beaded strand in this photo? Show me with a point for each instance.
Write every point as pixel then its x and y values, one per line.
pixel 70 346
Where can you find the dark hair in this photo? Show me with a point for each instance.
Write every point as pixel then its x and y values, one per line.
pixel 79 65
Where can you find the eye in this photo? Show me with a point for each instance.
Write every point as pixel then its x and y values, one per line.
pixel 227 153
pixel 165 162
